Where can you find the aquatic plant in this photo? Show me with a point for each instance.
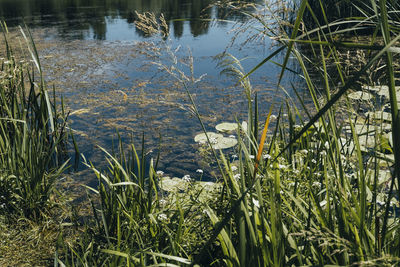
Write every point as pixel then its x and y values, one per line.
pixel 314 202
pixel 310 193
pixel 32 134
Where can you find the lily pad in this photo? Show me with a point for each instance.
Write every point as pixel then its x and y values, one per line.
pixel 367 141
pixel 218 141
pixel 202 138
pixel 360 95
pixel 225 142
pixel 382 90
pixel 226 127
pixel 360 129
pixel 244 126
pixel 380 115
pixel 389 137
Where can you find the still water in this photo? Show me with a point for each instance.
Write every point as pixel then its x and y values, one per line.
pixel 104 68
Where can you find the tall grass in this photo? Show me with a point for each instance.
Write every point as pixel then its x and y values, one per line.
pixel 312 202
pixel 135 222
pixel 314 199
pixel 31 133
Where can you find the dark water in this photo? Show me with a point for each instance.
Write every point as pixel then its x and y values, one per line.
pixel 101 63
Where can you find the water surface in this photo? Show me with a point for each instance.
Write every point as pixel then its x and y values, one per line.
pixel 102 65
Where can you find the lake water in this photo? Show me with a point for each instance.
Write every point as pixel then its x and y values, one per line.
pixel 102 65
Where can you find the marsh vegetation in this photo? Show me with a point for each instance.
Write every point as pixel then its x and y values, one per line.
pixel 304 184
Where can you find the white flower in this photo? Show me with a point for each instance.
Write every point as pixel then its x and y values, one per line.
pixel 256 203
pixel 251 156
pixel 163 202
pixel 232 136
pixel 199 171
pixel 326 145
pixel 281 166
pixel 317 184
pixel 267 156
pixel 273 117
pixel 314 161
pixel 237 176
pixel 304 151
pixel 162 217
pixel 380 203
pixel 234 168
pixel 323 203
pixel 186 178
pixel 160 173
pixel 234 156
pixel 323 153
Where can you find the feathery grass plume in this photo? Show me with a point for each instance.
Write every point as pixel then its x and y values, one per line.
pixel 150 25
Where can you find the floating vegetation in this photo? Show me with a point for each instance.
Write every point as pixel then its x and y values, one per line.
pixel 379 115
pixel 80 111
pixel 360 95
pixel 202 137
pixel 382 90
pixel 226 127
pixel 218 141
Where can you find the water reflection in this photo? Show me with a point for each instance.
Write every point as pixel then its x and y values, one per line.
pixel 78 19
pixel 115 81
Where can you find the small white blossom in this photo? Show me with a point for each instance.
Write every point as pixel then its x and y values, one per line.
pixel 162 217
pixel 256 203
pixel 199 171
pixel 251 156
pixel 326 145
pixel 380 203
pixel 234 168
pixel 267 156
pixel 160 173
pixel 314 161
pixel 273 117
pixel 237 176
pixel 235 156
pixel 317 184
pixel 281 166
pixel 186 178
